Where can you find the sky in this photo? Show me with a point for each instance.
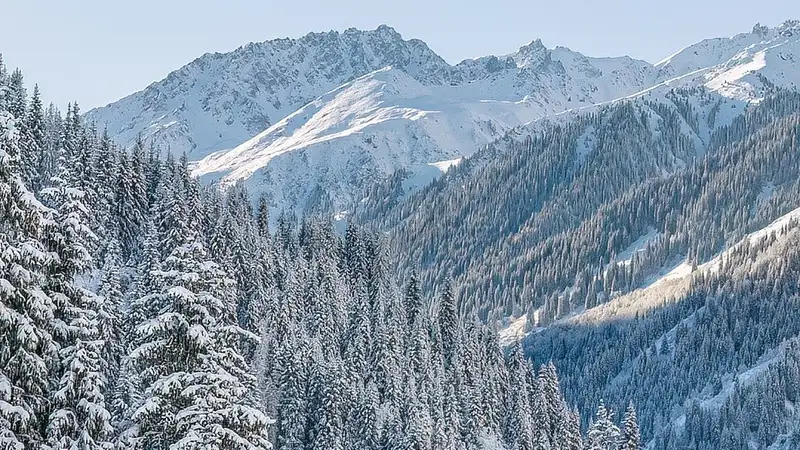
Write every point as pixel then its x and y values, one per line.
pixel 97 51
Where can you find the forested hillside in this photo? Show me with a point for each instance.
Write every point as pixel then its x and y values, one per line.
pixel 141 310
pixel 562 218
pixel 712 361
pixel 546 216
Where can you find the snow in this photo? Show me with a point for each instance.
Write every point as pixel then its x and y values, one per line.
pixel 445 165
pixel 729 82
pixel 775 227
pixel 423 174
pixel 363 131
pixel 513 332
pixel 626 256
pixel 674 282
pixel 339 111
pixel 342 110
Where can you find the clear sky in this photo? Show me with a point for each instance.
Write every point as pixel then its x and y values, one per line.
pixel 96 51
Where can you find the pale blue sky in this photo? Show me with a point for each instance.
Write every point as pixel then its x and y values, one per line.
pixel 96 51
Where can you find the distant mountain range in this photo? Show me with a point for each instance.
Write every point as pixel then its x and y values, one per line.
pixel 313 122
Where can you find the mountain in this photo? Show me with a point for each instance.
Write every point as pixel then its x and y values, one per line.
pixel 357 134
pixel 222 99
pixel 243 110
pixel 648 247
pixel 335 112
pixel 736 66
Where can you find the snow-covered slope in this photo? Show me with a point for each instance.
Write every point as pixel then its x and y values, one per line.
pixel 736 67
pixel 220 102
pixel 359 132
pixel 365 130
pixel 222 99
pixel 331 112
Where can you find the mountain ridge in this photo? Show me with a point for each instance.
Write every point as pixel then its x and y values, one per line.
pixel 221 102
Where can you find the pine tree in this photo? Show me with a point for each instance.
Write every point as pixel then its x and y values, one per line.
pixel 413 300
pixel 17 99
pixel 630 438
pixel 54 132
pixel 34 154
pixel 27 350
pixel 448 327
pixel 80 419
pixel 262 216
pixel 198 387
pixel 170 214
pixel 569 435
pixel 128 210
pixel 603 434
pixel 519 430
pixel 110 326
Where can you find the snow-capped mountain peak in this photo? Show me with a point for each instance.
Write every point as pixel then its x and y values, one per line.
pixel 335 111
pixel 531 55
pixel 222 99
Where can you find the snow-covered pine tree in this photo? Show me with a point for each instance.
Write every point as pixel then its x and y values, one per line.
pixel 262 216
pixel 568 436
pixel 17 99
pixel 603 433
pixel 54 131
pixel 448 327
pixel 630 439
pixel 105 160
pixel 169 213
pixel 518 429
pixel 27 350
pixel 291 380
pixel 110 324
pixel 198 386
pixel 35 151
pixel 80 418
pixel 126 209
pixel 327 400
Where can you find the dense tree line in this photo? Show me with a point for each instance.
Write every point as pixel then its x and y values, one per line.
pixel 540 218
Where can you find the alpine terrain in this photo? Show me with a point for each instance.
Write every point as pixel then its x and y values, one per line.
pixel 344 242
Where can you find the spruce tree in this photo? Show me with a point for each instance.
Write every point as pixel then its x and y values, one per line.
pixel 198 388
pixel 80 418
pixel 34 154
pixel 603 434
pixel 27 349
pixel 448 327
pixel 630 438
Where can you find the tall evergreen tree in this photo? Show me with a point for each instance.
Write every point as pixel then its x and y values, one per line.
pixel 198 387
pixel 630 438
pixel 27 350
pixel 603 434
pixel 80 419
